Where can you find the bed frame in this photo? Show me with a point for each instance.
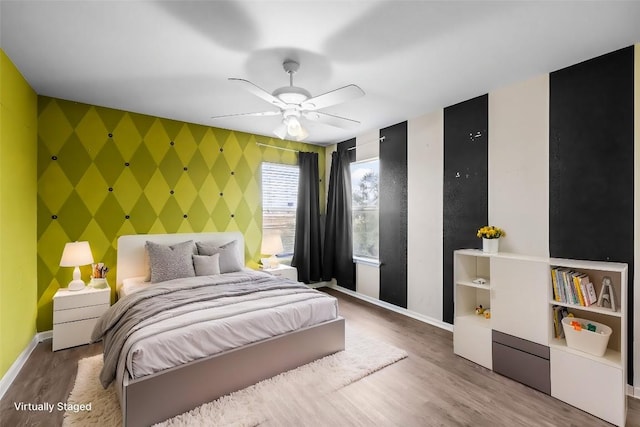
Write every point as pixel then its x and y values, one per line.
pixel 160 396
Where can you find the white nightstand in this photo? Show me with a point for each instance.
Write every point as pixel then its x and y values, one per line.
pixel 75 313
pixel 283 270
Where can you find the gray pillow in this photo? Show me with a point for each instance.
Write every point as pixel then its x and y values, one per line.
pixel 169 262
pixel 206 265
pixel 230 261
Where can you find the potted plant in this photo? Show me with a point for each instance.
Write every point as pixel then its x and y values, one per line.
pixel 490 235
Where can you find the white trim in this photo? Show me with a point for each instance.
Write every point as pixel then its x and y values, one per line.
pixel 630 392
pixel 395 308
pixel 317 285
pixel 14 370
pixel 635 393
pixel 367 261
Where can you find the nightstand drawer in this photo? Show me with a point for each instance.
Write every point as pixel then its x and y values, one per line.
pixel 80 313
pixel 73 333
pixel 65 299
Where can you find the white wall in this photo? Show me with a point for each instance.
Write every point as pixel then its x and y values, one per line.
pixel 519 165
pixel 425 153
pixel 367 276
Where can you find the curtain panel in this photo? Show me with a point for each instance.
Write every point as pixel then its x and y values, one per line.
pixel 338 239
pixel 307 252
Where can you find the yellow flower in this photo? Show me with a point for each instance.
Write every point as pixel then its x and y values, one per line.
pixel 490 232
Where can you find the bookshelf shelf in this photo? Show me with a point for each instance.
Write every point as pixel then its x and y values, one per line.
pixel 611 357
pixel 474 320
pixel 486 285
pixel 592 309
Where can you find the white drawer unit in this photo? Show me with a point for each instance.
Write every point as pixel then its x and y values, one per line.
pixel 283 270
pixel 75 313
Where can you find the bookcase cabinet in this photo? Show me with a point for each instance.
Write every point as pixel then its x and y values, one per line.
pixel 600 380
pixel 519 292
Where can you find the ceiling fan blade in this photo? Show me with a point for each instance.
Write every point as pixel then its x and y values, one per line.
pixel 259 114
pixel 334 97
pixel 330 119
pixel 259 92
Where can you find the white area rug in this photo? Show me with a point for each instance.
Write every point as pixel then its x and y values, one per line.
pixel 250 406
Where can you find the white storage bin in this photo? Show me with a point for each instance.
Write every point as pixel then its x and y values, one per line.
pixel 584 340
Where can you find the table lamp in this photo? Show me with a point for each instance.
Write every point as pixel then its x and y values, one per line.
pixel 271 245
pixel 74 255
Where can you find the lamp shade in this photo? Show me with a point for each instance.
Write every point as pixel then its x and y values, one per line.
pixel 271 244
pixel 75 254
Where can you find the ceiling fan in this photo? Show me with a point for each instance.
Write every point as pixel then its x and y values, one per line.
pixel 296 103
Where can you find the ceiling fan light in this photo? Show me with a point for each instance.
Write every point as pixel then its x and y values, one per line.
pixel 281 131
pixel 302 135
pixel 293 126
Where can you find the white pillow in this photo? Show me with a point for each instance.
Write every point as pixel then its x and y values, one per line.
pixel 230 260
pixel 206 265
pixel 169 262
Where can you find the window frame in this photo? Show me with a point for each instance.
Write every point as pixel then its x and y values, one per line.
pixel 286 252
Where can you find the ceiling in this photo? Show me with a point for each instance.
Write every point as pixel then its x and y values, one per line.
pixel 173 58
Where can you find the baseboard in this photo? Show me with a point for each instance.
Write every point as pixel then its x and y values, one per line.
pixel 421 317
pixel 634 392
pixel 14 370
pixel 317 285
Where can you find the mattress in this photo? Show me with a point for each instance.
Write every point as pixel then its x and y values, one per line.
pixel 235 326
pixel 186 333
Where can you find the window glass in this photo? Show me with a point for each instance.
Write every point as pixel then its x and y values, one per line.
pixel 364 193
pixel 279 200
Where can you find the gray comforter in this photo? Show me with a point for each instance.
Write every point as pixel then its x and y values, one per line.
pixel 160 301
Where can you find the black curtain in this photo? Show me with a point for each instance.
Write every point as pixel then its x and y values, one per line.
pixel 307 251
pixel 338 239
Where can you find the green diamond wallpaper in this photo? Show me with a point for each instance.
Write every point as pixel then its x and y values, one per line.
pixel 103 173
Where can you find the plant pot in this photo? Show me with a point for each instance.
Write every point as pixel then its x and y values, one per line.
pixel 98 283
pixel 490 246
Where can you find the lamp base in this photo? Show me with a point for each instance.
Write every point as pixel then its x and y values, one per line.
pixel 76 285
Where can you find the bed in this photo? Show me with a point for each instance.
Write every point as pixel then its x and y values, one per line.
pixel 235 344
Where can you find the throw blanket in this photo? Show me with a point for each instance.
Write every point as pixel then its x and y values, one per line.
pixel 160 301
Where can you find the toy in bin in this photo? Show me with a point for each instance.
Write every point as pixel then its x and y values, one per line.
pixel 586 335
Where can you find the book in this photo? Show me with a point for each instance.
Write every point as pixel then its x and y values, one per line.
pixel 566 280
pixel 577 283
pixel 583 280
pixel 561 287
pixel 554 281
pixel 591 293
pixel 556 321
pixel 559 313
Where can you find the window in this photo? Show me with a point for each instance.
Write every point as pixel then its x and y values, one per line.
pixel 279 200
pixel 364 193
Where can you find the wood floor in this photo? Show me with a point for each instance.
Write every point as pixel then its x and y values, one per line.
pixel 432 387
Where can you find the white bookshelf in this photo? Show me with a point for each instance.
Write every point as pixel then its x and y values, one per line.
pixel 601 392
pixel 519 292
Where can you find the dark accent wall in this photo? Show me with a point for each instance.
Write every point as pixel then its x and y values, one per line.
pixel 591 165
pixel 465 184
pixel 393 215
